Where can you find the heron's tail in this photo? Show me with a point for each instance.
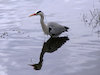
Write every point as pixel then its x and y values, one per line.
pixel 66 28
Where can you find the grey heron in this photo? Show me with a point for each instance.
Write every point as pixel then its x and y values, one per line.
pixel 52 28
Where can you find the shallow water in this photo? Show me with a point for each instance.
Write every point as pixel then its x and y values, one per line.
pixel 24 47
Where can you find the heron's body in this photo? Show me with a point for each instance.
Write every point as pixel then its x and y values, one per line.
pixel 56 29
pixel 52 28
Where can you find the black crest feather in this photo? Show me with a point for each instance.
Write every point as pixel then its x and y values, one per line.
pixel 38 11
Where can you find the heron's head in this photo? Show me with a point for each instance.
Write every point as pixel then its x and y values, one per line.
pixel 37 13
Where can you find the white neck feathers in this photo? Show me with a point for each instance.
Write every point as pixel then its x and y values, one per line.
pixel 44 26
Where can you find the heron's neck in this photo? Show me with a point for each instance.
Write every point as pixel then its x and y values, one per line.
pixel 44 26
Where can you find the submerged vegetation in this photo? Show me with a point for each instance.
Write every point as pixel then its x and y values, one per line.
pixel 3 35
pixel 93 18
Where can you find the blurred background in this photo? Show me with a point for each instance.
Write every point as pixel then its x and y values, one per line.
pixel 24 48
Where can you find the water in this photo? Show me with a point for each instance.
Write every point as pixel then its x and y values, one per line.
pixel 24 48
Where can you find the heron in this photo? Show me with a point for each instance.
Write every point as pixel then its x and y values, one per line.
pixel 52 28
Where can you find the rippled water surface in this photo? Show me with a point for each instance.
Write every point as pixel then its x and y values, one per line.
pixel 25 50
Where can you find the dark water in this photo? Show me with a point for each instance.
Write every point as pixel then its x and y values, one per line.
pixel 24 48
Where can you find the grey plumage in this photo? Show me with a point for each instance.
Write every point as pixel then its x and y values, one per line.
pixel 56 29
pixel 52 28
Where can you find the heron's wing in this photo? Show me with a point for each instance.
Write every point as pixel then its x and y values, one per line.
pixel 55 28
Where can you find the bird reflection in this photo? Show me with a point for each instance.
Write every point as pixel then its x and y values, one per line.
pixel 51 45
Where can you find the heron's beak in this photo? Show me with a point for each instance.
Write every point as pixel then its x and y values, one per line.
pixel 32 15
